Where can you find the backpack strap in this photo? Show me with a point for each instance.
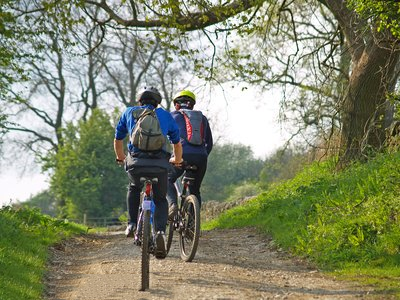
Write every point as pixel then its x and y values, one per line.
pixel 140 113
pixel 192 131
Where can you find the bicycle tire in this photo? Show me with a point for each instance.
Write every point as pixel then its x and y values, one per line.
pixel 170 234
pixel 190 233
pixel 145 274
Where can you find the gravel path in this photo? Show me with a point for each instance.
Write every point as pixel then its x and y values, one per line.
pixel 229 264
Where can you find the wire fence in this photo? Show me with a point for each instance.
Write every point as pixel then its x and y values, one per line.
pixel 98 222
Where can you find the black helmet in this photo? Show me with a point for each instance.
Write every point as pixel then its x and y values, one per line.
pixel 149 94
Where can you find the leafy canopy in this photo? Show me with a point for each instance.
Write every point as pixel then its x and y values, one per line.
pixel 86 178
pixel 385 13
pixel 229 165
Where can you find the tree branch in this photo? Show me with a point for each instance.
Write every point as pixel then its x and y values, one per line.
pixel 351 26
pixel 189 22
pixel 35 133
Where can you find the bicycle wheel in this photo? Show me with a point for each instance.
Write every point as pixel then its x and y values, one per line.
pixel 169 234
pixel 190 233
pixel 145 276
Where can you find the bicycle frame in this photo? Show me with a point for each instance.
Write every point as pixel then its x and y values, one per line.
pixel 183 186
pixel 183 190
pixel 147 204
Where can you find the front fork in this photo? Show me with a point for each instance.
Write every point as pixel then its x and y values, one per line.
pixel 147 204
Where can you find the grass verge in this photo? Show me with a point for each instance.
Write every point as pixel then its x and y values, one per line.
pixel 348 223
pixel 25 237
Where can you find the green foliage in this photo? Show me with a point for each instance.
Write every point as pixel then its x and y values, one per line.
pixel 282 165
pixel 228 165
pixel 44 201
pixel 244 190
pixel 340 220
pixel 3 131
pixel 9 54
pixel 385 13
pixel 86 178
pixel 21 26
pixel 25 237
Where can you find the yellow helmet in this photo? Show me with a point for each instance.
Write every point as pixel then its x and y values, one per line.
pixel 185 93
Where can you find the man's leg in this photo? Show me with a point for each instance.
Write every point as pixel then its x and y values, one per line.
pixel 172 195
pixel 160 213
pixel 201 162
pixel 173 175
pixel 132 203
pixel 160 201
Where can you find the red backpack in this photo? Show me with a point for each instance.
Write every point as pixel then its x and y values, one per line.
pixel 194 126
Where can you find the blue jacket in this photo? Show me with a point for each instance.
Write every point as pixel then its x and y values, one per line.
pixel 127 123
pixel 193 149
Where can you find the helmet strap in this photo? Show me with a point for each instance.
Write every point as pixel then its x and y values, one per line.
pixel 184 104
pixel 148 101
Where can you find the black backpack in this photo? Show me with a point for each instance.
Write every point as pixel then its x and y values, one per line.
pixel 147 134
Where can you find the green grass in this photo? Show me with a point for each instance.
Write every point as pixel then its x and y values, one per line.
pixel 347 223
pixel 25 236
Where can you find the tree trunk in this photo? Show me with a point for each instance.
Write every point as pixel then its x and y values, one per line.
pixel 364 106
pixel 374 58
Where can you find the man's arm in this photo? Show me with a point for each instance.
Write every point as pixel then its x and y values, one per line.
pixel 209 138
pixel 119 149
pixel 177 155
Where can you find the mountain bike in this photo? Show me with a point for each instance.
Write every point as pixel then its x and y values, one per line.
pixel 145 232
pixel 187 219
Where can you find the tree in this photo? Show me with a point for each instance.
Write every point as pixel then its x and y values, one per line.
pixel 229 165
pixel 12 35
pixel 385 14
pixel 374 55
pixel 343 72
pixel 40 46
pixel 77 70
pixel 282 165
pixel 360 53
pixel 374 58
pixel 137 60
pixel 45 201
pixel 86 178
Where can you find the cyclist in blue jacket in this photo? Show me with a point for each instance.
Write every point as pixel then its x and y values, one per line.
pixel 140 163
pixel 193 154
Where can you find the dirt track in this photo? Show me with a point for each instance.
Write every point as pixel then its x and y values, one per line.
pixel 230 264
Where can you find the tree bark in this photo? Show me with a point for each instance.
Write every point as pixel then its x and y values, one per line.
pixel 374 57
pixel 364 106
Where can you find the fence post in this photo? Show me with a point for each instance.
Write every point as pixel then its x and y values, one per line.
pixel 84 219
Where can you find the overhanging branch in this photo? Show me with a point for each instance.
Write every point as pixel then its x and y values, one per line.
pixel 188 22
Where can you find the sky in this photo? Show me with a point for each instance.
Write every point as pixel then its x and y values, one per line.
pixel 226 111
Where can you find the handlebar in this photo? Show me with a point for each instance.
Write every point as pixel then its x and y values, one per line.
pixel 184 165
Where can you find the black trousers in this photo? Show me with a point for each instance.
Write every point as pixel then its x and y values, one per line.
pixel 192 159
pixel 159 194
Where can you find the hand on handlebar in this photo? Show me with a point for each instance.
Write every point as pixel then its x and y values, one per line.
pixel 176 163
pixel 120 162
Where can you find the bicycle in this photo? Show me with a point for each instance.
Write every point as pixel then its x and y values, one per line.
pixel 145 232
pixel 187 219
